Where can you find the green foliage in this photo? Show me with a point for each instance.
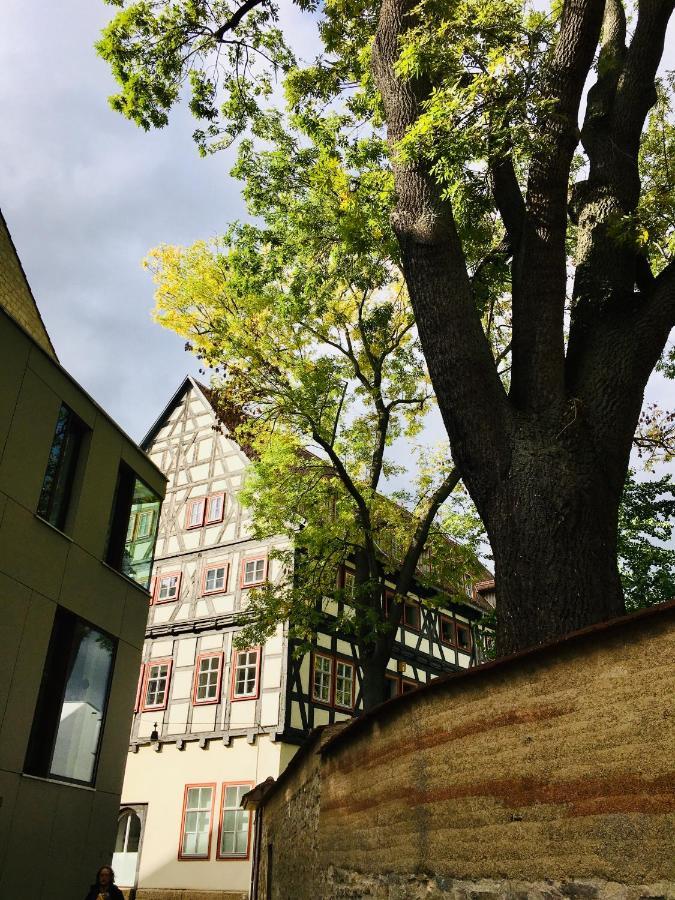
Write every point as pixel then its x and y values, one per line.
pixel 646 531
pixel 655 219
pixel 306 320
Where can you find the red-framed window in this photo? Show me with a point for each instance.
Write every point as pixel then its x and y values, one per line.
pixel 208 676
pixel 234 828
pixel 215 578
pixel 393 686
pixel 446 630
pixel 215 508
pixel 208 510
pixel 156 681
pixel 322 678
pixel 344 684
pixel 412 615
pixel 387 596
pixel 398 685
pixel 167 587
pixel 197 821
pixel 253 570
pixel 455 634
pixel 245 674
pixel 194 513
pixel 333 681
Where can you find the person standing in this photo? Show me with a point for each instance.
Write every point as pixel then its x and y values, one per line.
pixel 104 888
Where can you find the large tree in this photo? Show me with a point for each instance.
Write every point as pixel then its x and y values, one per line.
pixel 319 373
pixel 502 194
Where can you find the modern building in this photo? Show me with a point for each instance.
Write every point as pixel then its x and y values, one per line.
pixel 79 506
pixel 212 720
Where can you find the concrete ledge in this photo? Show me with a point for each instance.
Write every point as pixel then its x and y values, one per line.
pixel 183 894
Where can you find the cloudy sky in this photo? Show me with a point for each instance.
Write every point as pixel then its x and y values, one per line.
pixel 86 194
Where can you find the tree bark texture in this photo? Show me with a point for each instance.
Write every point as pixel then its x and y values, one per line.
pixel 545 464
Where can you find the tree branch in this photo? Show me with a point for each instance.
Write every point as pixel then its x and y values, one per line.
pixel 418 540
pixel 471 397
pixel 508 198
pixel 235 19
pixel 540 273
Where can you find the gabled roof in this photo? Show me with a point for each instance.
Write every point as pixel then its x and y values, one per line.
pixel 187 384
pixel 16 296
pixel 477 600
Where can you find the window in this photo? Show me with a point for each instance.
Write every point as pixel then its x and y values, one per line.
pixel 387 597
pixel 333 681
pixel 205 510
pixel 194 517
pixel 215 579
pixel 411 615
pixel 344 684
pixel 70 713
pixel 392 686
pixel 407 686
pixel 253 571
pixel 322 677
pixel 207 678
pixel 195 840
pixel 133 527
pixel 463 637
pixel 235 826
pixel 447 631
pixel 57 484
pixel 167 587
pixel 215 508
pixel 145 519
pixel 348 585
pixel 245 674
pixel 156 690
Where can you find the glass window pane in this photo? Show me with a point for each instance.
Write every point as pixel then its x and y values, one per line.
pixel 83 707
pixel 61 464
pixel 121 833
pixel 134 833
pixel 227 843
pixel 241 841
pixel 202 843
pixel 131 549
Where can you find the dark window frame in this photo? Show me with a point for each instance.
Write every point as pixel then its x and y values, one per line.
pixel 56 497
pixel 51 697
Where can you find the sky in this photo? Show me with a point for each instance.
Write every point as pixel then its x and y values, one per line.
pixel 86 194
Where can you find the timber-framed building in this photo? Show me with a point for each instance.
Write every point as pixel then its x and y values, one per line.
pixel 211 720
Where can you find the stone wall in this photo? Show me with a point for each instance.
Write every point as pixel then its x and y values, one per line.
pixel 550 774
pixel 290 824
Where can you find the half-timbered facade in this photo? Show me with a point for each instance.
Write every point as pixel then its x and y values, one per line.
pixel 212 720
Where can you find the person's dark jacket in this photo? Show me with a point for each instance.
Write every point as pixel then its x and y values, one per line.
pixel 113 891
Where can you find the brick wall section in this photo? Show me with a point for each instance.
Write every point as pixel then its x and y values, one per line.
pixel 15 293
pixel 553 768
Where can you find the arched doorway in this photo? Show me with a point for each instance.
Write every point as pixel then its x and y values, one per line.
pixel 128 844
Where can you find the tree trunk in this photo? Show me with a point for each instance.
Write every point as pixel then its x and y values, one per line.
pixel 374 660
pixel 552 523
